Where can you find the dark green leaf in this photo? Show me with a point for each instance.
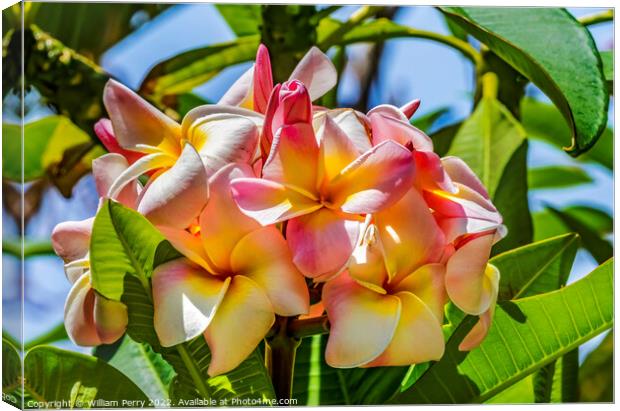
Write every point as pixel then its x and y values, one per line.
pixel 73 380
pixel 596 375
pixel 569 72
pixel 600 248
pixel 11 374
pixel 547 224
pixel 45 142
pixel 442 138
pixel 608 68
pixel 243 19
pixel 426 121
pixel 556 177
pixel 526 335
pixel 188 101
pixel 181 73
pixel 512 202
pixel 543 121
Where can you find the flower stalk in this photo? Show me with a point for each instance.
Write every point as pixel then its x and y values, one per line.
pixel 280 351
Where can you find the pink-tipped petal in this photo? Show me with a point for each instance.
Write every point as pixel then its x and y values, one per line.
pixel 136 121
pixel 354 124
pixel 317 72
pixel 460 173
pixel 453 228
pixel 223 138
pixel 418 337
pixel 362 322
pixel 465 203
pixel 409 234
pixel 293 158
pixel 430 174
pixel 321 242
pixel 374 181
pixel 367 265
pixel 176 197
pixel 337 151
pixel 242 321
pixel 189 245
pixel 388 128
pixel 264 257
pixel 110 319
pixel 480 330
pixel 185 299
pixel 222 224
pixel 410 108
pixel 105 132
pixel 263 79
pixel 79 309
pixel 428 284
pixel 467 284
pixel 71 239
pixel 388 110
pixel 240 93
pixel 106 169
pixel 269 202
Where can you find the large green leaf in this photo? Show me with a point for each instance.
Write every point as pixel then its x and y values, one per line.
pixel 243 19
pixel 426 121
pixel 544 121
pixel 569 72
pixel 123 241
pixel 526 334
pixel 56 333
pixel 596 375
pixel 487 140
pixel 146 368
pixel 189 69
pixel 11 372
pixel 547 224
pixel 55 378
pixel 45 142
pixel 608 68
pixel 556 177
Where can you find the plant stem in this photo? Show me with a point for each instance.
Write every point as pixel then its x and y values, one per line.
pixel 602 17
pixel 308 327
pixel 280 351
pixel 193 371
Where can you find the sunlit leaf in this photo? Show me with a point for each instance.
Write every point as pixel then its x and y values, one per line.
pixel 55 334
pixel 243 19
pixel 556 177
pixel 608 68
pixel 548 224
pixel 11 373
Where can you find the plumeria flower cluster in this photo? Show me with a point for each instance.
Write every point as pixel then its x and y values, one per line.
pixel 267 195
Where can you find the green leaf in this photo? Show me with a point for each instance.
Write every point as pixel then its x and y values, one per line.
pixel 536 268
pixel 607 58
pixel 57 378
pixel 565 378
pixel 426 121
pixel 547 224
pixel 596 375
pixel 600 248
pixel 568 72
pixel 545 122
pixel 526 335
pixel 11 373
pixel 150 372
pixel 183 72
pixel 512 202
pixel 243 19
pixel 123 241
pixel 487 140
pixel 556 177
pixel 188 101
pixel 45 142
pixel 57 333
pixel 443 138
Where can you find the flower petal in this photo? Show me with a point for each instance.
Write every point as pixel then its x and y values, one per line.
pixel 430 174
pixel 264 257
pixel 110 319
pixel 317 72
pixel 367 265
pixel 197 113
pixel 177 196
pixel 480 330
pixel 71 239
pixel 106 169
pixel 242 321
pixel 269 202
pixel 409 234
pixel 263 79
pixel 389 128
pixel 418 337
pixel 79 320
pixel 362 322
pixel 222 224
pixel 135 121
pixel 294 157
pixel 337 151
pixel 410 108
pixel 428 284
pixel 223 138
pixel 465 203
pixel 354 124
pixel 321 242
pixel 240 93
pixel 185 299
pixel 105 132
pixel 453 228
pixel 467 284
pixel 144 164
pixel 189 245
pixel 460 172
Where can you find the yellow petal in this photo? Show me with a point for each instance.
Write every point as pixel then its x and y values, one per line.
pixel 188 245
pixel 79 320
pixel 110 319
pixel 242 321
pixel 362 322
pixel 367 264
pixel 427 283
